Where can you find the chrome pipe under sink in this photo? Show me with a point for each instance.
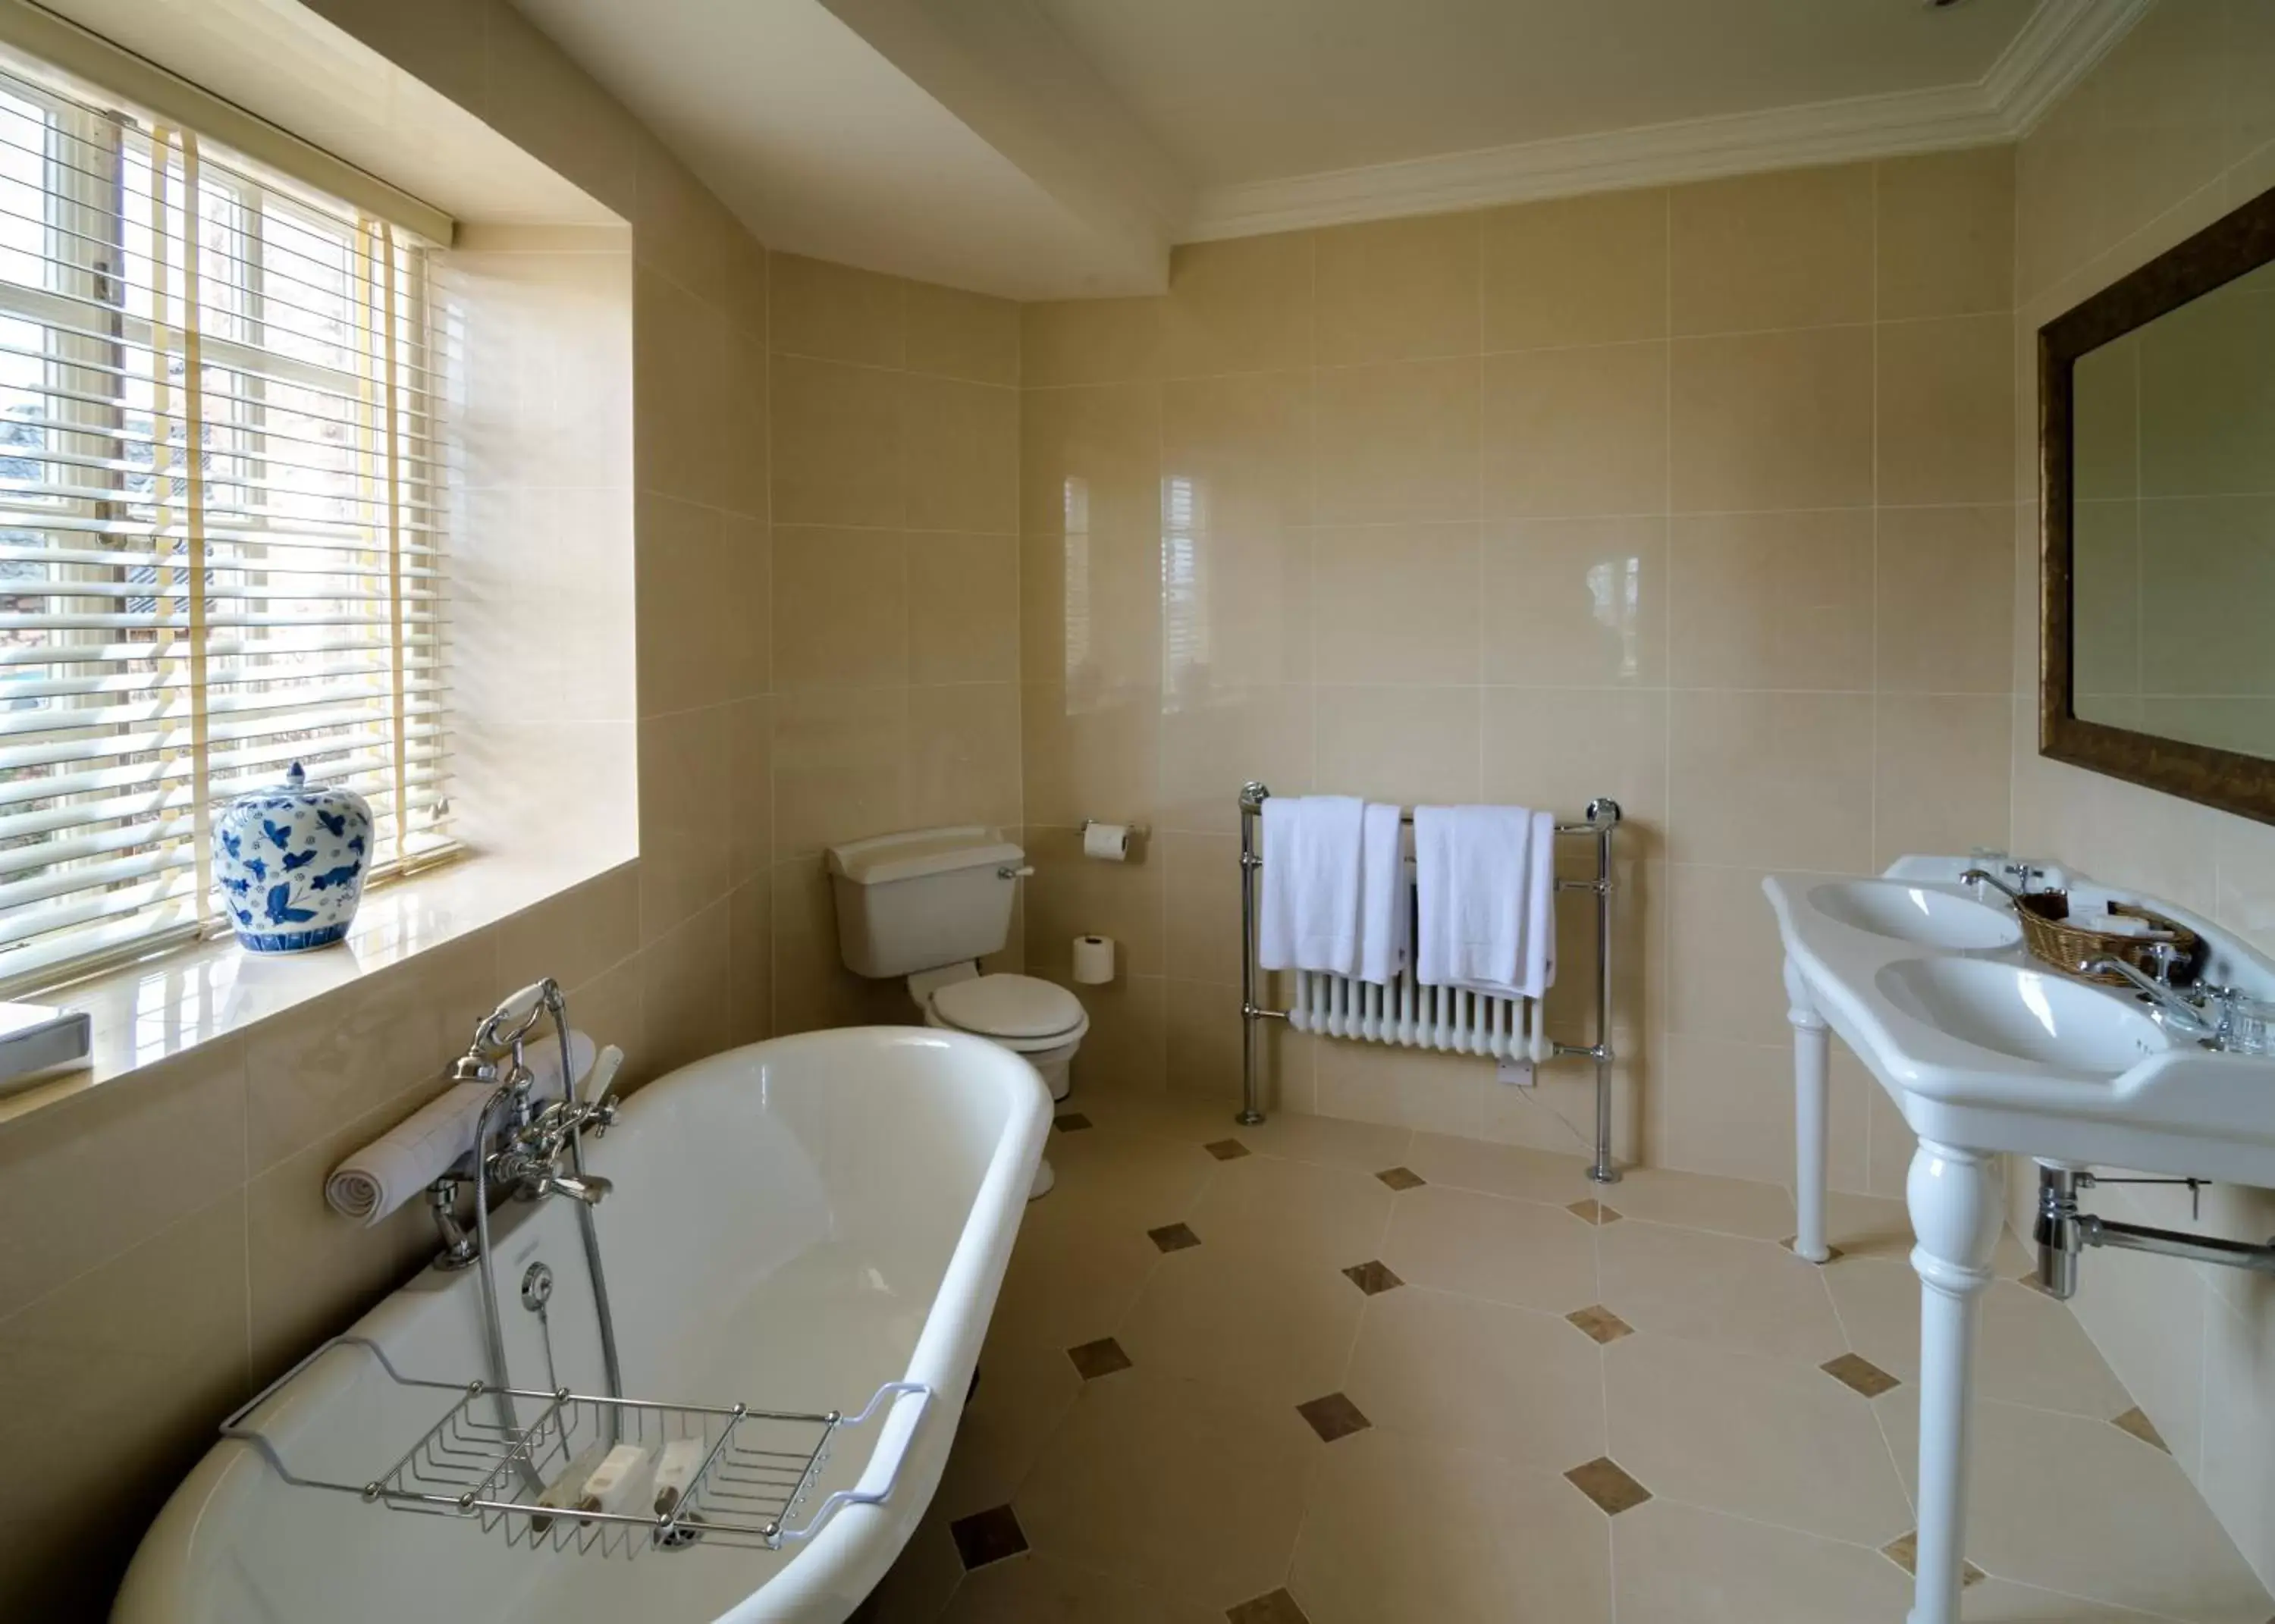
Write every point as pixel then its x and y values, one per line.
pixel 2062 1232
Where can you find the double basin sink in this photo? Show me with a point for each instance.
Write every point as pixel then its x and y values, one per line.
pixel 2024 1012
pixel 1980 1044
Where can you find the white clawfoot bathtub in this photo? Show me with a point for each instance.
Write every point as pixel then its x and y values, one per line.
pixel 793 1225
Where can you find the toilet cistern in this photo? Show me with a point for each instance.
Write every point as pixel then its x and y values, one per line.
pixel 926 906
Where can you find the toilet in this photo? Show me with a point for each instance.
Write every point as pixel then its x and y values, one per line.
pixel 928 906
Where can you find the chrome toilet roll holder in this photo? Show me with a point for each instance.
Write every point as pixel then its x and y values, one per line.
pixel 1137 831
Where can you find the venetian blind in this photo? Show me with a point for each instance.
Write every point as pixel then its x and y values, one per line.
pixel 222 489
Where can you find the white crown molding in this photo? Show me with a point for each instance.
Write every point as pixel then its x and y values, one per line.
pixel 1650 155
pixel 2055 48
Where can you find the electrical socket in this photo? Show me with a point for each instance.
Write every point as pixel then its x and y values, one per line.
pixel 1515 1071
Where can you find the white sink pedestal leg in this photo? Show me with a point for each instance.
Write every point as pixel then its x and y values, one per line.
pixel 1812 1045
pixel 1956 1211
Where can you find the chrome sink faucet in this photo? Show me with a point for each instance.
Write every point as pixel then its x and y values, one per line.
pixel 2170 1005
pixel 2023 873
pixel 2219 1017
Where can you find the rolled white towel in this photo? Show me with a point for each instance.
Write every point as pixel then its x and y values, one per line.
pixel 412 1154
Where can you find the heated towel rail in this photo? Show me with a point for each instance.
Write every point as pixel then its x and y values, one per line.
pixel 1429 1018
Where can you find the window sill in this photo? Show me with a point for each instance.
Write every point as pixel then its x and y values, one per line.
pixel 148 1012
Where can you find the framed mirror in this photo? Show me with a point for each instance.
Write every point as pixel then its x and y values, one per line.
pixel 2156 467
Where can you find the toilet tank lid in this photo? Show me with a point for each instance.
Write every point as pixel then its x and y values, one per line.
pixel 1008 1005
pixel 883 858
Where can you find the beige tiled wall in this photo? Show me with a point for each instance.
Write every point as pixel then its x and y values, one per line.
pixel 1701 498
pixel 2172 130
pixel 896 604
pixel 543 317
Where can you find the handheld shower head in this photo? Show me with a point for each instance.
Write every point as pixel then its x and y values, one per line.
pixel 515 1017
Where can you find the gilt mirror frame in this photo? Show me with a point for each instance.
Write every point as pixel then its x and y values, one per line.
pixel 2233 246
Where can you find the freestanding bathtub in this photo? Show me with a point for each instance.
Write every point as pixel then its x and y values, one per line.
pixel 793 1224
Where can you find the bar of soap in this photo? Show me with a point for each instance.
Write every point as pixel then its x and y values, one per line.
pixel 674 1472
pixel 567 1487
pixel 611 1482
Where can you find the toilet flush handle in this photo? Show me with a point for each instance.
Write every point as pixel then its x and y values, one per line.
pixel 1023 871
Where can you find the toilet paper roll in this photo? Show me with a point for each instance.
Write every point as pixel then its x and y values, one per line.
pixel 1094 960
pixel 1110 842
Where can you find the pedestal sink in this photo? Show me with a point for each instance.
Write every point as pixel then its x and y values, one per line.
pixel 1985 1051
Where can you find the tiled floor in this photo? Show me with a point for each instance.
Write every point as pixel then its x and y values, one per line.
pixel 1325 1370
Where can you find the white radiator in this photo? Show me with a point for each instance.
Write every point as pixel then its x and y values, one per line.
pixel 1420 1018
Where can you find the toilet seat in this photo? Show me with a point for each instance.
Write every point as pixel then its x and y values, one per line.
pixel 1022 1012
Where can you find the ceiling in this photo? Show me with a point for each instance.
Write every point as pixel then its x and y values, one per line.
pixel 1041 148
pixel 1247 90
pixel 822 144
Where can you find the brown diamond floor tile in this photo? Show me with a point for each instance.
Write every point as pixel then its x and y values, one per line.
pixel 1592 1212
pixel 1600 1323
pixel 1277 1608
pixel 2135 1422
pixel 1372 1278
pixel 1225 1150
pixel 1101 1358
pixel 1173 1237
pixel 1905 1554
pixel 987 1537
pixel 1070 1121
pixel 1334 1417
pixel 1604 1482
pixel 1860 1375
pixel 1401 1178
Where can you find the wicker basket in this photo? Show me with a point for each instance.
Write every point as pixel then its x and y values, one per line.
pixel 2055 939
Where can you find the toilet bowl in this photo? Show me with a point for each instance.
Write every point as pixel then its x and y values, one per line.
pixel 1038 1019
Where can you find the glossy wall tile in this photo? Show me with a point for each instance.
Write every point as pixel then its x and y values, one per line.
pixel 1653 494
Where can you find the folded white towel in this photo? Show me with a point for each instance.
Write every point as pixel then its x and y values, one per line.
pixel 1311 907
pixel 1540 910
pixel 1385 894
pixel 417 1151
pixel 1474 889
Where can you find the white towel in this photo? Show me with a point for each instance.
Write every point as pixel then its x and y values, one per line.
pixel 1540 913
pixel 1310 884
pixel 1385 894
pixel 1474 885
pixel 420 1149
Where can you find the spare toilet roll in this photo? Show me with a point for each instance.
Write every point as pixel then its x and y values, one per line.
pixel 1109 841
pixel 1094 960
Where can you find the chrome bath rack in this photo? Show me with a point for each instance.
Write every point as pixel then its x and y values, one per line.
pixel 752 1489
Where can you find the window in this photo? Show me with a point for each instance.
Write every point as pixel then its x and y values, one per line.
pixel 222 491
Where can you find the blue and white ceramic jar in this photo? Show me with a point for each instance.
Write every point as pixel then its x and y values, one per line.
pixel 289 861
